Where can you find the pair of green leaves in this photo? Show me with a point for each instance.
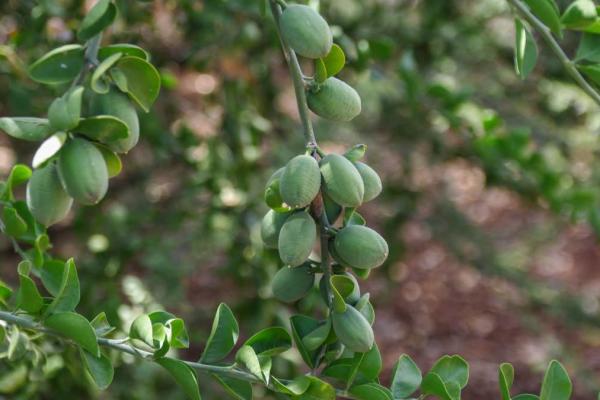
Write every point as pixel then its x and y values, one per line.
pixel 555 386
pixel 331 65
pixel 448 376
pixel 160 331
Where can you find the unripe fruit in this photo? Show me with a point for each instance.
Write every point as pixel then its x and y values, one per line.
pixel 343 183
pixel 305 31
pixel 270 227
pixel 83 172
pixel 118 105
pixel 334 100
pixel 360 247
pixel 353 330
pixel 291 284
pixel 272 194
pixel 46 198
pixel 297 238
pixel 371 180
pixel 300 181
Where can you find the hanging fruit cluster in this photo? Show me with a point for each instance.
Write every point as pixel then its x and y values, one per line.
pixel 87 127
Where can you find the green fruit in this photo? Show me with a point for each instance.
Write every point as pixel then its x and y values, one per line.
pixel 305 31
pixel 291 284
pixel 46 198
pixel 332 209
pixel 297 238
pixel 371 180
pixel 334 100
pixel 300 181
pixel 118 105
pixel 343 183
pixel 83 171
pixel 353 330
pixel 270 227
pixel 272 195
pixel 360 247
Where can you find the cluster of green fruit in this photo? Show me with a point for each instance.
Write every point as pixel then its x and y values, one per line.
pixel 76 163
pixel 308 35
pixel 306 193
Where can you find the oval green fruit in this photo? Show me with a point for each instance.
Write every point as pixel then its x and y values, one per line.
pixel 272 194
pixel 46 197
pixel 360 247
pixel 371 180
pixel 353 330
pixel 83 171
pixel 291 284
pixel 334 100
pixel 117 104
pixel 297 238
pixel 343 183
pixel 271 226
pixel 300 182
pixel 306 31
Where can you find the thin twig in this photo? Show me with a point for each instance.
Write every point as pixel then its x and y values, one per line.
pixel 567 63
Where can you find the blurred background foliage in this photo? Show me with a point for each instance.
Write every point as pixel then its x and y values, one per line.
pixel 491 201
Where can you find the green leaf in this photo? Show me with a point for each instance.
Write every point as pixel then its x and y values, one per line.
pixel 247 357
pixel 303 325
pixel 589 48
pixel 98 18
pixel 352 217
pixel 14 379
pixel 26 128
pixel 371 391
pixel 141 329
pixel 506 376
pixel 97 83
pixel 556 384
pixel 237 388
pixel 335 60
pixel 526 51
pixel 100 368
pixel 356 153
pixel 434 385
pixel 592 71
pixel 143 80
pixel 67 297
pixel 313 340
pixel 317 390
pixel 123 48
pixel 65 111
pixel 5 292
pixel 103 128
pixel 60 65
pixel 452 369
pixel 52 275
pixel 75 327
pixel 28 296
pixel 101 325
pixel 320 70
pixel 270 341
pixel 579 14
pixel 371 365
pixel 223 336
pixel 112 160
pixel 547 12
pixel 183 375
pixel 48 149
pixel 296 387
pixel 406 377
pixel 526 397
pixel 14 225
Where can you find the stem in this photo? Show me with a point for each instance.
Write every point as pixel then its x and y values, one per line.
pixel 567 63
pixel 298 80
pixel 91 58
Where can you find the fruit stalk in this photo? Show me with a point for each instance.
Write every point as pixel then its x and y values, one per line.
pixel 298 80
pixel 309 136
